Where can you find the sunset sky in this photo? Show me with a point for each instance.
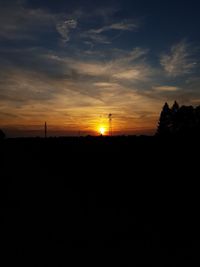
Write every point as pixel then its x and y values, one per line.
pixel 72 62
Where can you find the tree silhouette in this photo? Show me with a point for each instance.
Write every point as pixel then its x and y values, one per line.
pixel 175 107
pixel 165 121
pixel 175 118
pixel 184 120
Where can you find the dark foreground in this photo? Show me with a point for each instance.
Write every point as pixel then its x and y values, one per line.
pixel 100 202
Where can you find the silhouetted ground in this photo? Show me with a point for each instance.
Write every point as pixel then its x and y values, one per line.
pixel 121 201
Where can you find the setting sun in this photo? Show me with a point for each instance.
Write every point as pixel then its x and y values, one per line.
pixel 102 130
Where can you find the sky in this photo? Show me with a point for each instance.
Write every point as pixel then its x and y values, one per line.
pixel 71 63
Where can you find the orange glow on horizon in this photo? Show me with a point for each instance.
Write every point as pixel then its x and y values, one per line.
pixel 102 130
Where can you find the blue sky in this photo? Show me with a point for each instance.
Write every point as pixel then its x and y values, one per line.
pixel 71 63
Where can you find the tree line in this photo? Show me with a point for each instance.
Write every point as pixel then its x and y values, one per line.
pixel 184 120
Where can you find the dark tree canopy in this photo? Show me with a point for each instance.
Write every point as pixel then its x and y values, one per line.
pixel 175 107
pixel 184 120
pixel 164 125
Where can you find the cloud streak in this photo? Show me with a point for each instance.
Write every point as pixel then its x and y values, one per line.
pixel 64 28
pixel 120 26
pixel 179 60
pixel 130 66
pixel 98 35
pixel 166 88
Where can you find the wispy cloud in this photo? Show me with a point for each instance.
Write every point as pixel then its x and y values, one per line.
pixel 135 73
pixel 121 26
pixel 95 38
pixel 106 85
pixel 135 54
pixel 97 35
pixel 127 66
pixel 65 27
pixel 166 88
pixel 179 60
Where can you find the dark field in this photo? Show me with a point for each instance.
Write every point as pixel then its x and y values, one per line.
pixel 120 201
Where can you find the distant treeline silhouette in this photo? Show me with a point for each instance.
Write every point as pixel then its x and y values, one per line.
pixel 184 120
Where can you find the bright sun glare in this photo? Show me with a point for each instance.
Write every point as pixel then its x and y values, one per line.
pixel 102 130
